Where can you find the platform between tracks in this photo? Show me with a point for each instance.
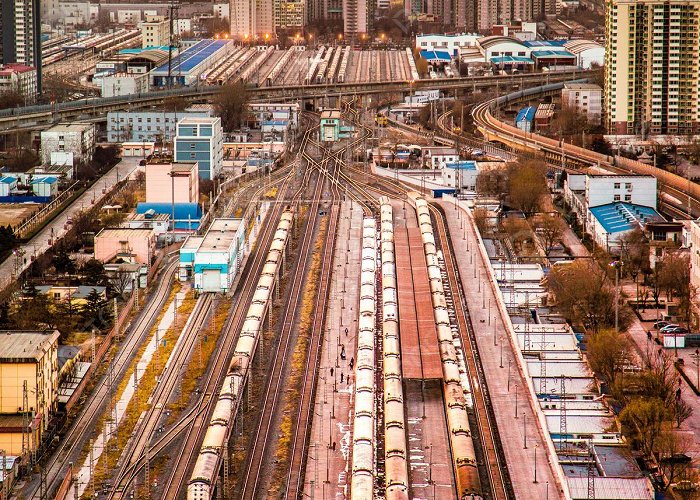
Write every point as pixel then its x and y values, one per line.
pixel 521 438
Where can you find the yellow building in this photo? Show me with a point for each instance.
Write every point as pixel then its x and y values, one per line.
pixel 651 66
pixel 28 388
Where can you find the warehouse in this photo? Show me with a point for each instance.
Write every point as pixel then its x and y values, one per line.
pixel 186 68
pixel 218 257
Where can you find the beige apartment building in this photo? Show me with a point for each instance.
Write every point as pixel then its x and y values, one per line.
pixel 28 388
pixel 651 67
pixel 155 31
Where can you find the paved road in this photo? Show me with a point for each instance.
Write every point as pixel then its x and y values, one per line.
pixel 56 228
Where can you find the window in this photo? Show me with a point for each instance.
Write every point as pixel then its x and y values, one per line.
pixel 192 156
pixel 616 197
pixel 628 197
pixel 628 185
pixel 192 145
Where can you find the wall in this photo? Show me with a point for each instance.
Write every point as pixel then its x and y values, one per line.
pixel 106 247
pixel 160 186
pixel 601 190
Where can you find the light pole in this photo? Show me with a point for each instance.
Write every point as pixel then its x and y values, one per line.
pixel 516 400
pixel 535 481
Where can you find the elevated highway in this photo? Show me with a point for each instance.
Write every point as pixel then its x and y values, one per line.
pixel 42 116
pixel 678 195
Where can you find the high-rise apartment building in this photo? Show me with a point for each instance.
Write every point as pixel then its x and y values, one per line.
pixel 251 18
pixel 20 25
pixel 289 14
pixel 651 67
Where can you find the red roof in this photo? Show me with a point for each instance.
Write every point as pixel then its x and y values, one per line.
pixel 15 68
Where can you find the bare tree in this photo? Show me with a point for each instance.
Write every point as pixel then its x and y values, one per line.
pixel 527 185
pixel 608 353
pixel 550 229
pixel 120 281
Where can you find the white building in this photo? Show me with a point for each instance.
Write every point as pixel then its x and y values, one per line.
pixel 76 139
pixel 218 256
pixel 181 26
pixel 586 98
pixel 126 16
pixel 121 84
pixel 501 46
pixel 155 31
pixel 460 175
pixel 438 157
pixel 636 189
pixel 46 186
pixel 608 223
pixel 19 78
pixel 588 53
pixel 449 43
pixel 149 126
pixel 201 140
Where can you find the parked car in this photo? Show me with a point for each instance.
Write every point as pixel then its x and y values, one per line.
pixel 661 324
pixel 679 330
pixel 670 326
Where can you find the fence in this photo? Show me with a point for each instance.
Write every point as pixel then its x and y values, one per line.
pixel 35 220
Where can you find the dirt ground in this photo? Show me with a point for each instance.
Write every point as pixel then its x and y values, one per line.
pixel 14 213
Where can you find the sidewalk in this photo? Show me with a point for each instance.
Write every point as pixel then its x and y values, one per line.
pixel 492 340
pixel 40 243
pixel 690 429
pixel 327 467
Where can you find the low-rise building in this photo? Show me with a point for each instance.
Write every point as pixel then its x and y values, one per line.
pixel 665 238
pixel 524 118
pixel 45 186
pixel 450 43
pixel 460 175
pixel 608 223
pixel 218 256
pixel 438 157
pixel 28 384
pixel 8 184
pixel 330 125
pixel 74 138
pixel 76 295
pixel 635 189
pixel 185 217
pixel 158 223
pixel 15 77
pixel 168 182
pixel 122 84
pixel 544 115
pixel 155 31
pixel 129 245
pixel 586 98
pixel 201 140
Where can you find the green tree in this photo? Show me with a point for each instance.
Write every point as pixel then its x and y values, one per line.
pixel 94 312
pixel 93 272
pixel 643 420
pixel 62 262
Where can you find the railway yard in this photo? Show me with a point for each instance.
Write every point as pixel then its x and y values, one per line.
pixel 352 357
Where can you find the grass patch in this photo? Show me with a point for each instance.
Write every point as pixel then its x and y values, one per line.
pixel 300 353
pixel 106 465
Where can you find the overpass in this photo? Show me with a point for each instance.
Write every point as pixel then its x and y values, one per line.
pixel 42 116
pixel 674 189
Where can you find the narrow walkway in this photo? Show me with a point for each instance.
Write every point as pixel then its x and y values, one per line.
pixel 327 466
pixel 523 443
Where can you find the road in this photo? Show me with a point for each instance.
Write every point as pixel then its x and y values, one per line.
pixel 41 241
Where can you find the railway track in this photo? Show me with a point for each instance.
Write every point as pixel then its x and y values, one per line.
pixel 496 468
pixel 162 393
pixel 495 463
pixel 194 433
pixel 79 433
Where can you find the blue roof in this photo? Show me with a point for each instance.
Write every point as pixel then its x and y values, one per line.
pixel 541 54
pixel 275 122
pixel 8 180
pixel 511 60
pixel 187 215
pixel 435 55
pixel 619 216
pixel 462 165
pixel 544 43
pixel 49 179
pixel 526 114
pixel 187 60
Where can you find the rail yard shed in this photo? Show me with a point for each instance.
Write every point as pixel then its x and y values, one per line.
pixel 218 256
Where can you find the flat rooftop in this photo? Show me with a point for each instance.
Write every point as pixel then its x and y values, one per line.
pixel 125 232
pixel 70 127
pixel 220 235
pixel 187 60
pixel 192 243
pixel 22 346
pixel 330 114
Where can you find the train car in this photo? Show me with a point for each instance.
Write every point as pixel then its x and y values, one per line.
pixel 381 120
pixel 205 473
